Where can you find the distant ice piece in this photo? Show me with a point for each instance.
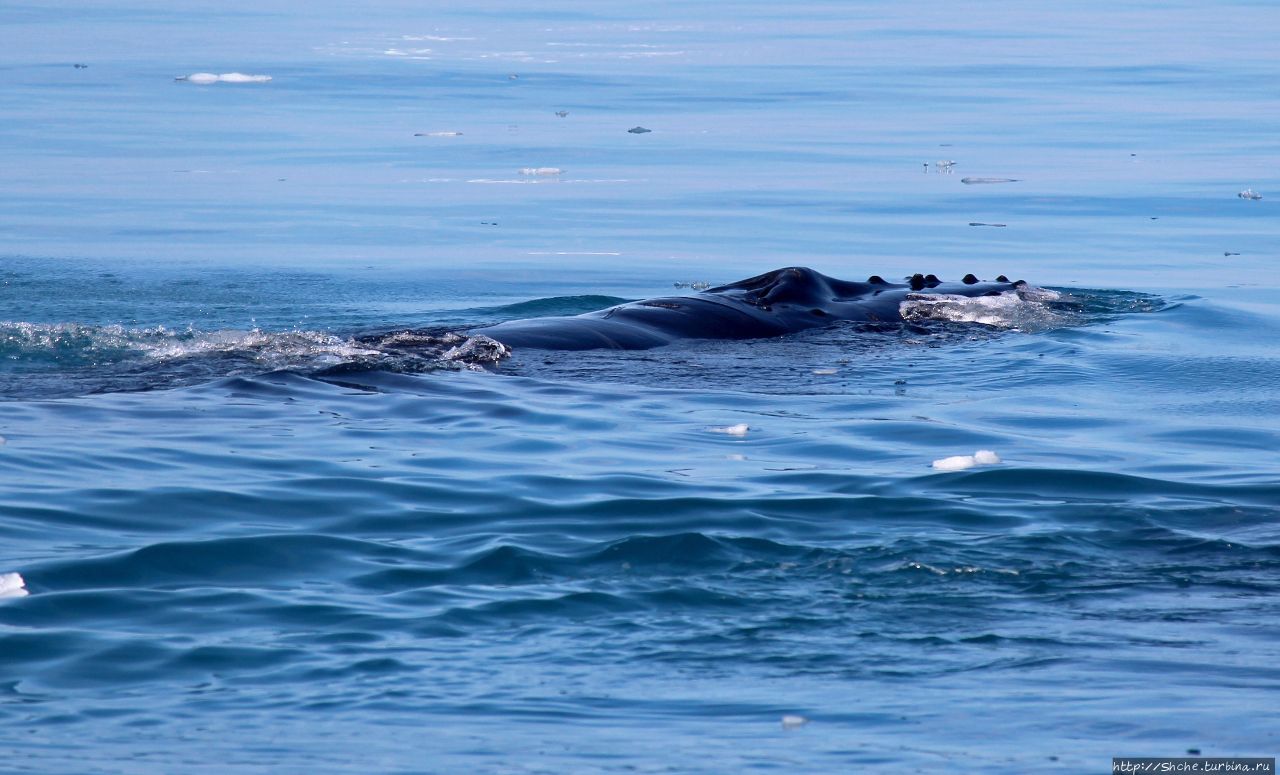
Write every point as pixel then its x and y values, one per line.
pixel 1249 193
pixel 12 585
pixel 437 134
pixel 972 181
pixel 983 457
pixel 540 170
pixel 793 722
pixel 207 78
pixel 733 430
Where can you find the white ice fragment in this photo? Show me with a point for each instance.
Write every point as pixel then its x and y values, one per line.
pixel 972 181
pixel 985 457
pixel 824 372
pixel 207 78
pixel 12 585
pixel 955 463
pixel 1249 193
pixel 793 722
pixel 540 170
pixel 733 430
pixel 437 134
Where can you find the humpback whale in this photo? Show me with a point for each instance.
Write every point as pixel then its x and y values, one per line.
pixel 775 303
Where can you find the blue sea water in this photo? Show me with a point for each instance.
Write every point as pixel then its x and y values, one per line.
pixel 257 537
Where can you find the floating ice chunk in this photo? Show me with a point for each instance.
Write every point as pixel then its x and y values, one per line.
pixel 971 181
pixel 793 722
pixel 207 78
pixel 733 430
pixel 12 585
pixel 824 372
pixel 540 170
pixel 437 134
pixel 983 457
pixel 1249 193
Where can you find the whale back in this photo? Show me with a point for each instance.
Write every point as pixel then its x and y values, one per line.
pixel 775 303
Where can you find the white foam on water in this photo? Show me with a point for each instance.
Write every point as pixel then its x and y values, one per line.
pixel 274 349
pixel 208 78
pixel 572 253
pixel 1016 309
pixel 12 585
pixel 983 457
pixel 243 78
pixel 955 463
pixel 733 430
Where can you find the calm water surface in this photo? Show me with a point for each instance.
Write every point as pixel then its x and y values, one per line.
pixel 255 539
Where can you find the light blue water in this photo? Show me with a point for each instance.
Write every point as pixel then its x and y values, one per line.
pixel 258 540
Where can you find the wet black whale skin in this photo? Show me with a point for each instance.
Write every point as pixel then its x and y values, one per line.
pixel 772 304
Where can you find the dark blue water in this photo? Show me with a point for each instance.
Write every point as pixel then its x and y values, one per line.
pixel 263 529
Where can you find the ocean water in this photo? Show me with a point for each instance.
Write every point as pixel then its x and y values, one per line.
pixel 263 529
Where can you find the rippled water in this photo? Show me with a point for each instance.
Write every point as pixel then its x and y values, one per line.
pixel 268 523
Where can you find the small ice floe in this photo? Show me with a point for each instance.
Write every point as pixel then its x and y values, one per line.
pixel 983 457
pixel 791 721
pixel 824 372
pixel 12 585
pixel 944 165
pixel 546 171
pixel 972 181
pixel 437 134
pixel 733 430
pixel 639 130
pixel 207 78
pixel 1249 193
